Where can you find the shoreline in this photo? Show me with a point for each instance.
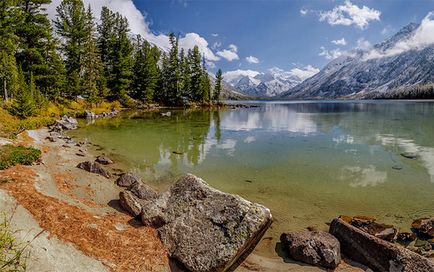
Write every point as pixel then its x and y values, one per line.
pixel 76 201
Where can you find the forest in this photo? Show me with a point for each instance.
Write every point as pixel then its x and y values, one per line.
pixel 76 57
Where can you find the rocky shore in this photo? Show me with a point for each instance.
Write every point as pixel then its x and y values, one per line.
pixel 189 227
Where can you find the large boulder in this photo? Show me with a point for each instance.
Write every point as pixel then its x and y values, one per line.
pixel 127 179
pixel 205 229
pixel 136 196
pixel 377 254
pixel 94 167
pixel 424 226
pixel 316 247
pixel 66 123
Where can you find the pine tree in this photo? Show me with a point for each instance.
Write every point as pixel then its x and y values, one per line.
pixel 10 17
pixel 174 95
pixel 206 85
pixel 162 95
pixel 93 83
pixel 116 52
pixel 71 26
pixel 185 75
pixel 37 46
pixel 23 105
pixel 196 75
pixel 218 85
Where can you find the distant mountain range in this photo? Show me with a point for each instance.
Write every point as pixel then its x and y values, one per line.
pixel 269 84
pixel 398 62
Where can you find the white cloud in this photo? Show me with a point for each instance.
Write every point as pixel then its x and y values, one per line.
pixel 363 44
pixel 216 45
pixel 252 59
pixel 214 34
pixel 303 12
pixel 331 54
pixel 192 39
pixel 304 72
pixel 230 76
pixel 422 37
pixel 229 54
pixel 387 30
pixel 340 42
pixel 139 25
pixel 350 14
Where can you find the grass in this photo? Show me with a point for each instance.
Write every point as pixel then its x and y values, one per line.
pixel 11 126
pixel 13 255
pixel 11 155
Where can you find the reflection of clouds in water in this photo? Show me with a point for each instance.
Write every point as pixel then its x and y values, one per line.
pixel 249 139
pixel 272 118
pixel 347 139
pixel 164 157
pixel 426 154
pixel 363 177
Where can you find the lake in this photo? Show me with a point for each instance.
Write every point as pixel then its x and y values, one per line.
pixel 308 162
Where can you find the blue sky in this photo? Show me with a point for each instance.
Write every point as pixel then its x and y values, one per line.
pixel 276 32
pixel 270 33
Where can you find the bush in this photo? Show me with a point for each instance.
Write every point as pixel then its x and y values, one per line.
pixel 13 255
pixel 11 155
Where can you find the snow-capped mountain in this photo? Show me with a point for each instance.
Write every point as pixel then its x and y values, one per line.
pixel 269 84
pixel 402 60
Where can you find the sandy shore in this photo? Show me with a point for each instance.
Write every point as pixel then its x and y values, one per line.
pixel 83 227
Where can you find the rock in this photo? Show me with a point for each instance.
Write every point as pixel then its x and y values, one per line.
pixel 130 203
pixel 127 179
pixel 362 221
pixel 90 115
pixel 377 254
pixel 409 155
pixel 382 231
pixel 205 229
pixel 316 247
pixel 423 244
pixel 103 160
pixel 67 123
pixel 406 236
pixel 51 139
pixel 94 167
pixel 79 154
pixel 424 226
pixel 143 191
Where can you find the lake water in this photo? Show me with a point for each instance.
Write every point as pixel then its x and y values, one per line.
pixel 307 161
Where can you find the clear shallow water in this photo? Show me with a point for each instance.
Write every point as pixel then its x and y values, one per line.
pixel 307 161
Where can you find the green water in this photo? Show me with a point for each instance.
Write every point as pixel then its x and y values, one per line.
pixel 307 161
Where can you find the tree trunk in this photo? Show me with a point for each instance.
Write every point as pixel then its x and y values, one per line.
pixel 5 90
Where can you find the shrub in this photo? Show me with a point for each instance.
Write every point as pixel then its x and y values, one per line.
pixel 12 155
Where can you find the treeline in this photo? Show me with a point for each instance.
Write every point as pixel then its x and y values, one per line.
pixel 79 58
pixel 409 92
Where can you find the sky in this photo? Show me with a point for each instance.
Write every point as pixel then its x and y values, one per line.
pixel 249 37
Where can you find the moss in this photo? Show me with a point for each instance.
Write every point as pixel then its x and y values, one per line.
pixel 12 155
pixel 13 255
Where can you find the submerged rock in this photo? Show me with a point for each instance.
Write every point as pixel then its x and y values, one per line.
pixel 424 226
pixel 205 229
pixel 409 155
pixel 377 254
pixel 103 160
pixel 94 167
pixel 315 247
pixel 406 236
pixel 127 179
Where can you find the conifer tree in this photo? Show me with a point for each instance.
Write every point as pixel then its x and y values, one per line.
pixel 218 85
pixel 23 105
pixel 174 96
pixel 9 18
pixel 196 75
pixel 71 26
pixel 93 83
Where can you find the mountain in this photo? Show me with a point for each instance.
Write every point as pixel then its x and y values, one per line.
pixel 228 92
pixel 397 62
pixel 269 84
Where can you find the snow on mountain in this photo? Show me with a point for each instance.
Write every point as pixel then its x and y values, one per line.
pixel 405 59
pixel 268 84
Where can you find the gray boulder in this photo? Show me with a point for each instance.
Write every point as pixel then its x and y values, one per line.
pixel 205 229
pixel 94 167
pixel 377 254
pixel 143 191
pixel 316 247
pixel 130 203
pixel 66 123
pixel 127 179
pixel 103 160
